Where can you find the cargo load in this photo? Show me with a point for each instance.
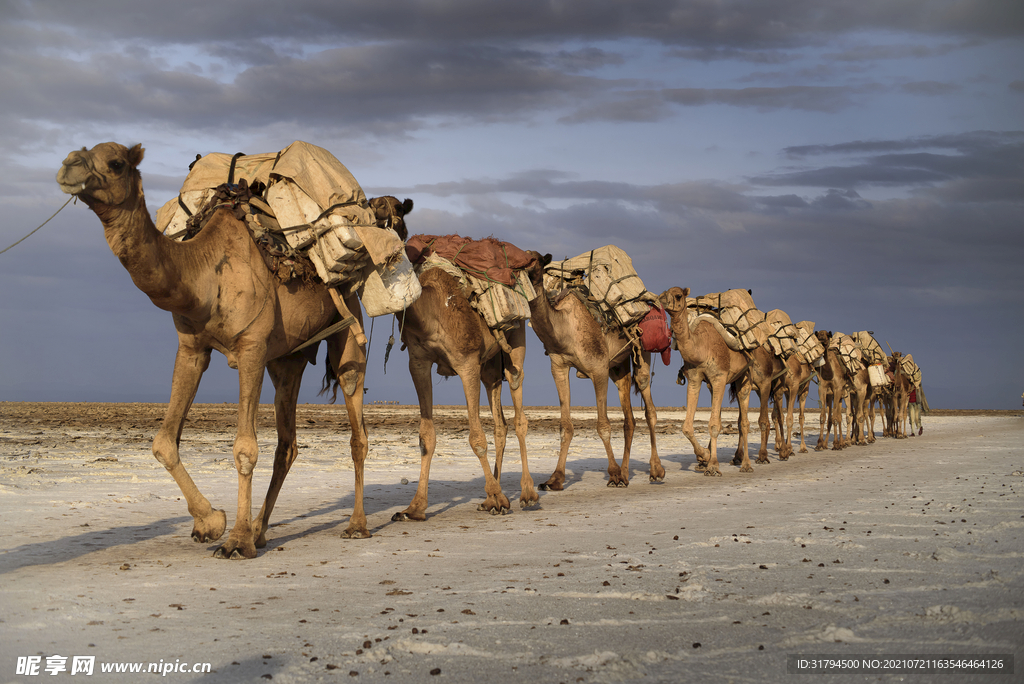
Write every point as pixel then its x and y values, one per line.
pixel 910 369
pixel 809 345
pixel 493 270
pixel 784 335
pixel 608 278
pixel 310 202
pixel 874 357
pixel 735 309
pixel 848 352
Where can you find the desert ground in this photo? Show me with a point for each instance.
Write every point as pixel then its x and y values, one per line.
pixel 902 547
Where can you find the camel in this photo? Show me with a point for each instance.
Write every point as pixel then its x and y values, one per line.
pixel 708 359
pixel 223 297
pixel 441 327
pixel 573 338
pixel 903 385
pixel 835 383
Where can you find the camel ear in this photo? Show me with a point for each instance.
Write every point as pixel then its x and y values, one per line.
pixel 407 206
pixel 135 155
pixel 545 260
pixel 686 292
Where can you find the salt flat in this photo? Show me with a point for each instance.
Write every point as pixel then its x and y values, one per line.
pixel 907 546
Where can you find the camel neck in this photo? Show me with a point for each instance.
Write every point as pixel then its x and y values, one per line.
pixel 145 253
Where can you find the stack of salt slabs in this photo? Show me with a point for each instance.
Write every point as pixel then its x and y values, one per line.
pixel 735 308
pixel 911 369
pixel 313 201
pixel 873 356
pixel 608 276
pixel 848 351
pixel 809 344
pixel 784 335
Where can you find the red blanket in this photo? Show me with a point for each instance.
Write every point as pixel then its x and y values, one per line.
pixel 487 259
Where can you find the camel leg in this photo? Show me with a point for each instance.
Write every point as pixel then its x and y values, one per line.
pixel 560 373
pixel 348 355
pixel 619 475
pixel 765 426
pixel 743 399
pixel 803 407
pixel 492 378
pixel 189 365
pixel 838 442
pixel 657 473
pixel 692 395
pixel 528 494
pixel 419 369
pixel 286 374
pixel 714 426
pixel 824 416
pixel 251 366
pixel 496 502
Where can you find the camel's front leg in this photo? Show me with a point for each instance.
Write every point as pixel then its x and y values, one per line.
pixel 241 542
pixel 189 365
pixel 803 406
pixel 286 374
pixel 651 415
pixel 712 468
pixel 560 373
pixel 692 395
pixel 765 426
pixel 618 476
pixel 419 369
pixel 352 374
pixel 824 417
pixel 743 400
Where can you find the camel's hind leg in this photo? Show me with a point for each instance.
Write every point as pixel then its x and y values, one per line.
pixel 657 472
pixel 286 374
pixel 560 373
pixel 517 339
pixel 189 365
pixel 419 369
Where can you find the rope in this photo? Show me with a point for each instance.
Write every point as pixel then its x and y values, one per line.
pixel 43 224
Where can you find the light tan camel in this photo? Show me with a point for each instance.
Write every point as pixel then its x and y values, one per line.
pixel 835 384
pixel 707 359
pixel 223 297
pixel 793 387
pixel 441 327
pixel 573 338
pixel 902 387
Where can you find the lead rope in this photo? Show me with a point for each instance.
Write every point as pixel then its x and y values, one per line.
pixel 391 340
pixel 43 224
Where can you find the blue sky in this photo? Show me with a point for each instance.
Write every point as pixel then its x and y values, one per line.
pixel 858 164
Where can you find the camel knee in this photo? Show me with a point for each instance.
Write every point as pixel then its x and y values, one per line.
pixel 246 456
pixel 165 451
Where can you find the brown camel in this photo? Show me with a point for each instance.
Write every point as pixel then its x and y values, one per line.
pixel 441 327
pixel 573 338
pixel 223 297
pixel 708 359
pixel 903 385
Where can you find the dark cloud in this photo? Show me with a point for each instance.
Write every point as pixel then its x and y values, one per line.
pixel 738 23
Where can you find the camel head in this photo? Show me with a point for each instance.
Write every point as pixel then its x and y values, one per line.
pixel 390 213
pixel 535 271
pixel 823 337
pixel 673 300
pixel 107 174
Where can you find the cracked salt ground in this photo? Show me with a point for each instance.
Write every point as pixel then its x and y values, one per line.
pixel 909 546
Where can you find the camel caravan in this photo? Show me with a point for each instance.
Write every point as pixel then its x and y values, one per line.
pixel 263 257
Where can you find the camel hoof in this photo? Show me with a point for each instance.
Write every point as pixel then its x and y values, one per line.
pixel 617 483
pixel 356 534
pixel 403 516
pixel 712 473
pixel 550 486
pixel 747 469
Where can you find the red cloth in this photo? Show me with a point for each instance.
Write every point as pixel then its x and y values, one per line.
pixel 487 259
pixel 654 334
pixel 913 396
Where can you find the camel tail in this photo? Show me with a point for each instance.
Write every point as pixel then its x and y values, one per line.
pixel 331 382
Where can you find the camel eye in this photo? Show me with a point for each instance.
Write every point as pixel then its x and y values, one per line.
pixel 116 165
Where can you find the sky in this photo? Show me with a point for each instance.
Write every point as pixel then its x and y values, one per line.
pixel 856 163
